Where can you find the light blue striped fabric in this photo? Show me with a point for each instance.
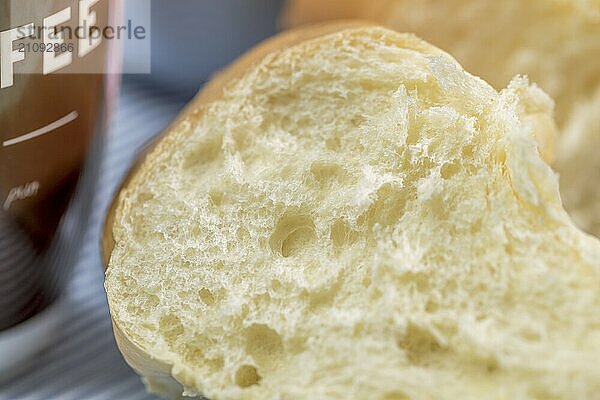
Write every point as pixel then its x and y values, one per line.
pixel 83 362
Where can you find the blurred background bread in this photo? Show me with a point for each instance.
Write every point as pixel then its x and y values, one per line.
pixel 555 42
pixel 347 214
pixel 578 163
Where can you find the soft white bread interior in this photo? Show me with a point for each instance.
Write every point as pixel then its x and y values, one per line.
pixel 353 216
pixel 556 43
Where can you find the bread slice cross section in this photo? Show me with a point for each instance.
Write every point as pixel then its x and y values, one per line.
pixel 345 213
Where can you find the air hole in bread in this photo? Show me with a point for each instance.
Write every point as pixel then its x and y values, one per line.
pixel 243 235
pixel 342 234
pixel 261 299
pixel 171 327
pixel 476 226
pixel 207 296
pixel 509 249
pixel 215 364
pixel 333 143
pixel 387 207
pixel 196 356
pixel 327 173
pixel 195 352
pixel 420 282
pixel 491 366
pixel 449 169
pixel 216 197
pixel 264 345
pixel 247 376
pixel 292 234
pixel 143 198
pixel 143 304
pixel 418 343
pixel 437 207
pixel 203 153
pixel 413 136
pixel 468 151
pixel 297 240
pixel 276 285
pixel 325 296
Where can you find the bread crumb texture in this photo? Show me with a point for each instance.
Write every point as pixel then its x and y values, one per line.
pixel 358 218
pixel 554 42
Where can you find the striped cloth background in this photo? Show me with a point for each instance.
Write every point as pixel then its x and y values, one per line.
pixel 83 362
